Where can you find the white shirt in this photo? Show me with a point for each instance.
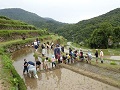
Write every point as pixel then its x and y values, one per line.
pixel 101 53
pixel 35 43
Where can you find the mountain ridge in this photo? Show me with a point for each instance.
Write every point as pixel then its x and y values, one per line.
pixel 31 18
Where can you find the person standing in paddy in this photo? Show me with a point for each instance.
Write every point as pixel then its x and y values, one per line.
pixel 53 61
pixel 25 66
pixel 57 53
pixel 96 55
pixel 101 56
pixel 81 56
pixel 35 45
pixel 38 65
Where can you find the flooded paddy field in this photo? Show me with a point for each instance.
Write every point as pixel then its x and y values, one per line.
pixel 55 79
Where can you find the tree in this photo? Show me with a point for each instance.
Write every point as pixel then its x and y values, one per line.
pixel 116 35
pixel 98 39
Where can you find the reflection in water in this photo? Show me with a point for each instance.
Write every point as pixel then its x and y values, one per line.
pixel 31 83
pixel 115 57
pixel 22 53
pixel 112 57
pixel 58 79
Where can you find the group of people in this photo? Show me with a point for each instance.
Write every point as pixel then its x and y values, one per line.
pixel 59 56
pixel 76 55
pixel 101 55
pixel 32 67
pixel 72 56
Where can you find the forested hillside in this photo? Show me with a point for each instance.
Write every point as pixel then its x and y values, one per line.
pixel 31 18
pixel 82 31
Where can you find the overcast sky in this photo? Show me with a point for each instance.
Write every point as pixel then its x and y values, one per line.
pixel 68 11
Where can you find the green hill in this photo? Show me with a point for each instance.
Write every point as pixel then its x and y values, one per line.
pixel 82 31
pixel 9 24
pixel 31 18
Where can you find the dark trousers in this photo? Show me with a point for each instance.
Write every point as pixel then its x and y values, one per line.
pixel 53 63
pixel 25 69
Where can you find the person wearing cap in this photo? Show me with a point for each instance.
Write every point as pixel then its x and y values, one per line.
pixel 31 63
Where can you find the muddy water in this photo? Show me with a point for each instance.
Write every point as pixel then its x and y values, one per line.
pixel 56 79
pixel 115 57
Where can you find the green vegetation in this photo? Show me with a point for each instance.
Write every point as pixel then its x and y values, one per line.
pixel 9 24
pixel 99 32
pixel 7 35
pixel 35 55
pixel 113 63
pixel 31 18
pixel 9 73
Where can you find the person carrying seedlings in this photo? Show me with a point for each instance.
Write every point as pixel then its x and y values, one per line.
pixel 68 58
pixel 25 66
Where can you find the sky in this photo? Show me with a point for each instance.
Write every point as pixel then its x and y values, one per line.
pixel 66 11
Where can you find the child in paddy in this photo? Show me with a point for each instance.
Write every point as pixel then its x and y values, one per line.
pixel 46 63
pixel 53 61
